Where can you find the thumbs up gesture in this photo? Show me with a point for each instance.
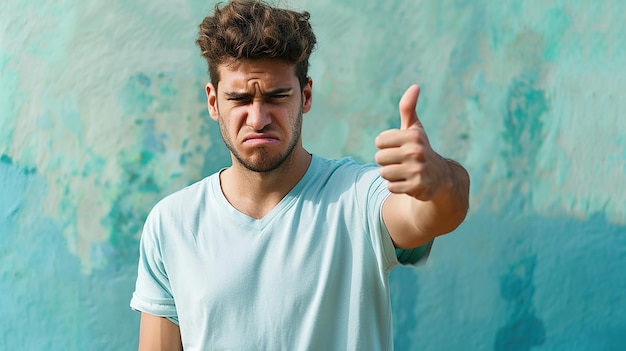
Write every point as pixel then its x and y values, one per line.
pixel 407 161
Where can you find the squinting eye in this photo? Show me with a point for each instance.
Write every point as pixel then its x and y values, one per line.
pixel 239 100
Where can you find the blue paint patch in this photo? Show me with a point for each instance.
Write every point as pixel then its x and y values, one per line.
pixel 50 304
pixel 500 278
pixel 523 330
pixel 145 98
pixel 6 159
pixel 136 97
pixel 12 182
pixel 152 140
pixel 186 154
pixel 94 165
pixel 143 80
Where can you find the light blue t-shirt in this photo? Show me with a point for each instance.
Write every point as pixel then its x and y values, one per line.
pixel 310 275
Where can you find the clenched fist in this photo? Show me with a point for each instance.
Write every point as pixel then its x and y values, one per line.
pixel 407 160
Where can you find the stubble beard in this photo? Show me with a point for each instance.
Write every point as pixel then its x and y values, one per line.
pixel 265 161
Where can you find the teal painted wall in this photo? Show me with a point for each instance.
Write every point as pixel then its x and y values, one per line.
pixel 102 113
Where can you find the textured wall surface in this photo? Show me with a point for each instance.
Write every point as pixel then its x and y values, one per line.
pixel 102 113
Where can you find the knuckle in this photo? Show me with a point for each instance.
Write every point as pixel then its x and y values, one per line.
pixel 413 151
pixel 415 171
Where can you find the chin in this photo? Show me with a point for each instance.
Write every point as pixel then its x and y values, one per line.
pixel 263 162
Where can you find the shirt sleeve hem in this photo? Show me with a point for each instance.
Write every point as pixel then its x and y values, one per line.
pixel 158 307
pixel 416 256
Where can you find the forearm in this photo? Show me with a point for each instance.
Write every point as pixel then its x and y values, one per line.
pixel 459 192
pixel 158 333
pixel 413 222
pixel 449 206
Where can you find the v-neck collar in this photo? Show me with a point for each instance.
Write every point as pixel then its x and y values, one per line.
pixel 283 205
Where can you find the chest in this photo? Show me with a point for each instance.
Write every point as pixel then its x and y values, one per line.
pixel 280 266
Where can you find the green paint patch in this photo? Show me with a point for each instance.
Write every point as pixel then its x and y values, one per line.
pixel 523 329
pixel 136 193
pixel 94 164
pixel 143 92
pixel 523 127
pixel 134 98
pixel 523 135
pixel 146 98
pixel 6 159
pixel 148 93
pixel 145 157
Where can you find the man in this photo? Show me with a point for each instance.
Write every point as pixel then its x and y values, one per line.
pixel 285 250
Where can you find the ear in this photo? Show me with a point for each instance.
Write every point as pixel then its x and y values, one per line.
pixel 307 96
pixel 211 96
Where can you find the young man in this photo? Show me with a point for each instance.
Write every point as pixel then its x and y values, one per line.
pixel 285 250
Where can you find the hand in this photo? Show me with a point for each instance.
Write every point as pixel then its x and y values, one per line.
pixel 407 161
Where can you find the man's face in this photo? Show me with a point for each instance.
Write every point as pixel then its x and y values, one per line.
pixel 259 107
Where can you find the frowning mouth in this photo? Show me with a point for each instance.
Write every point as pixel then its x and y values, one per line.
pixel 260 140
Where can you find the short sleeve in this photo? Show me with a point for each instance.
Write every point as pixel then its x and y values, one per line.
pixel 152 293
pixel 376 196
pixel 372 191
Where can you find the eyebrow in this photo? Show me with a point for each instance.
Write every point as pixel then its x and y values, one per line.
pixel 277 91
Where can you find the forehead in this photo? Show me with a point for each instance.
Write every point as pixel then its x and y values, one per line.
pixel 266 73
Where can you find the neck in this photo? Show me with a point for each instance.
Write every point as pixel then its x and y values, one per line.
pixel 257 193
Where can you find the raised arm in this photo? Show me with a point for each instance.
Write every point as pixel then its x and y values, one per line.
pixel 430 194
pixel 158 334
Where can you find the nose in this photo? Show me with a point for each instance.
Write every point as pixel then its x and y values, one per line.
pixel 258 116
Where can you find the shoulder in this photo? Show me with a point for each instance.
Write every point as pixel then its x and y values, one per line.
pixel 345 166
pixel 176 213
pixel 345 176
pixel 189 197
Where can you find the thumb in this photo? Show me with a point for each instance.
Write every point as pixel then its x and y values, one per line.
pixel 408 103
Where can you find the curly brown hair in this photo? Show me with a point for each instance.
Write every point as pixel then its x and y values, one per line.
pixel 252 29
